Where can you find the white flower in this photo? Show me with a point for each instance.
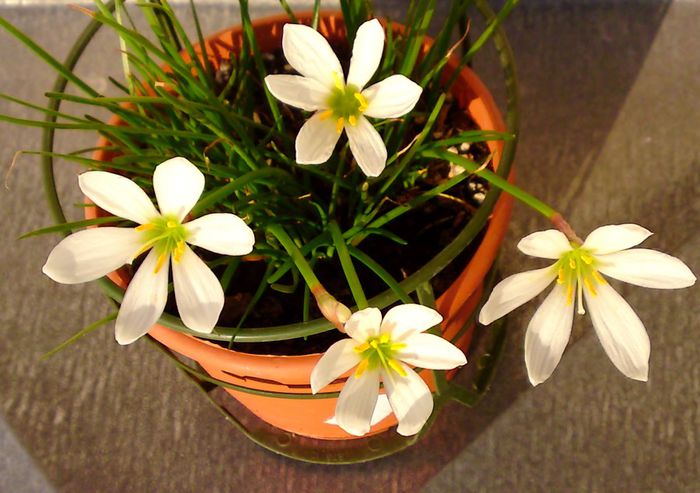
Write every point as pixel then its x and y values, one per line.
pixel 341 104
pixel 607 250
pixel 93 253
pixel 382 350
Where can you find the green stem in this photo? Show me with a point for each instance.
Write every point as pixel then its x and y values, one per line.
pixel 426 297
pixel 299 260
pixel 346 262
pixel 494 179
pixel 336 183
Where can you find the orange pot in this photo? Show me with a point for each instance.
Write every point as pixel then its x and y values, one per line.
pixel 290 374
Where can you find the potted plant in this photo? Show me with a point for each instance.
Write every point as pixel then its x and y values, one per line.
pixel 308 171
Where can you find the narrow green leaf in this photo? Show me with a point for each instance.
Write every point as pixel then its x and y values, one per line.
pixel 72 226
pixel 43 55
pixel 80 335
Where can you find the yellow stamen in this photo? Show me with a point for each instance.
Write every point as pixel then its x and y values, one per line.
pixel 362 100
pixel 560 280
pixel 587 259
pixel 590 286
pixel 361 367
pixel 362 348
pixel 339 124
pixel 599 278
pixel 570 295
pixel 396 366
pixel 144 227
pixel 572 263
pixel 143 249
pixel 352 119
pixel 179 251
pixel 397 346
pixel 325 115
pixel 161 261
pixel 338 81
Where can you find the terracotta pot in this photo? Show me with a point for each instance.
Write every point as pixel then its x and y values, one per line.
pixel 290 374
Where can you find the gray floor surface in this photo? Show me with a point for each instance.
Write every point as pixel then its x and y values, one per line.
pixel 609 134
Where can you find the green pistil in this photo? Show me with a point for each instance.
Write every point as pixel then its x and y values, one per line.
pixel 378 352
pixel 344 102
pixel 575 270
pixel 167 236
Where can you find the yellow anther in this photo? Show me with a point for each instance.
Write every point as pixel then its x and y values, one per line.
pixel 362 100
pixel 384 338
pixel 362 348
pixel 161 260
pixel 599 278
pixel 171 224
pixel 374 343
pixel 339 124
pixel 325 115
pixel 179 251
pixel 396 366
pixel 570 294
pixel 144 227
pixel 590 286
pixel 587 259
pixel 338 81
pixel 352 120
pixel 572 263
pixel 143 249
pixel 560 280
pixel 361 367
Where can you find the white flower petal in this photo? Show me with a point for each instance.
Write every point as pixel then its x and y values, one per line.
pixel 647 268
pixel 405 320
pixel 615 237
pixel 620 331
pixel 198 293
pixel 366 53
pixel 364 324
pixel 367 146
pixel 300 92
pixel 118 195
pixel 393 97
pixel 92 253
pixel 550 244
pixel 178 185
pixel 513 291
pixel 308 52
pixel 431 351
pixel 410 399
pixel 144 300
pixel 357 402
pixel 338 359
pixel 381 411
pixel 316 140
pixel 547 335
pixel 222 233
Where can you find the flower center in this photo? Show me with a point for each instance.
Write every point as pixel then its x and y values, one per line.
pixel 379 352
pixel 577 269
pixel 345 104
pixel 167 236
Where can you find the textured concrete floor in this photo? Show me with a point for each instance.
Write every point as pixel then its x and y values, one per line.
pixel 610 118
